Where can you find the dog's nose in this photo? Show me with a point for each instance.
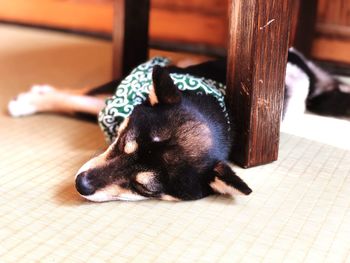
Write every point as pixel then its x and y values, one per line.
pixel 83 184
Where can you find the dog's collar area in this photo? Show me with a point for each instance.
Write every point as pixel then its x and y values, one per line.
pixel 136 87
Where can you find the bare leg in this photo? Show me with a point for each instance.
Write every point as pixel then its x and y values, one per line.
pixel 45 98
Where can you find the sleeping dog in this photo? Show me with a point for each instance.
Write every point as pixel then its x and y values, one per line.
pixel 169 129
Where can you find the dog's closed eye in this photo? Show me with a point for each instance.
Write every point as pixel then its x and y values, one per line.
pixel 146 183
pixel 142 189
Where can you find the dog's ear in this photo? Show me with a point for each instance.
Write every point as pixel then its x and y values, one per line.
pixel 164 91
pixel 225 181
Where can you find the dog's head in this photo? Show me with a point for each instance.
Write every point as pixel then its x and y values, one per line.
pixel 164 150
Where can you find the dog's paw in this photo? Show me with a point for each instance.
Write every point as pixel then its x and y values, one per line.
pixel 22 105
pixel 28 103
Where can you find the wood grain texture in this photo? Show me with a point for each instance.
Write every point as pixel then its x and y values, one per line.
pixel 182 21
pixel 332 39
pixel 186 26
pixel 334 12
pixel 209 7
pixel 130 35
pixel 331 49
pixel 333 31
pixel 257 56
pixel 95 16
pixel 333 19
pixel 185 22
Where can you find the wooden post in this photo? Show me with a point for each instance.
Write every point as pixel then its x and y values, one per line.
pixel 130 35
pixel 303 25
pixel 257 57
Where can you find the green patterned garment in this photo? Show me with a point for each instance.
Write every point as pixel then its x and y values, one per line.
pixel 134 90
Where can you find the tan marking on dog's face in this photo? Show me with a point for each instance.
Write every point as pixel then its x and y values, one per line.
pixel 169 198
pixel 145 178
pixel 130 147
pixel 221 187
pixel 152 96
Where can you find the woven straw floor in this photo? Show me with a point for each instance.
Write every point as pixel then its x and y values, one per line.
pixel 299 210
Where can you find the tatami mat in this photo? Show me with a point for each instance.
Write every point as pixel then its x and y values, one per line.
pixel 298 212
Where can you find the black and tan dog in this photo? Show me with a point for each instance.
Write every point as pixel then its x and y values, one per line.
pixel 175 145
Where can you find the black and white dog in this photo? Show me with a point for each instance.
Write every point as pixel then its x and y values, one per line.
pixel 175 144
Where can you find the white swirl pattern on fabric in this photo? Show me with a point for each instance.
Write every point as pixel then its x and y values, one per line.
pixel 134 90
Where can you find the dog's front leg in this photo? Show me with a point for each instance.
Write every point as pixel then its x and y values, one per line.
pixel 45 98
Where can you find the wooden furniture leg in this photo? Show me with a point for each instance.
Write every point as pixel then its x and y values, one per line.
pixel 257 57
pixel 130 35
pixel 303 25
